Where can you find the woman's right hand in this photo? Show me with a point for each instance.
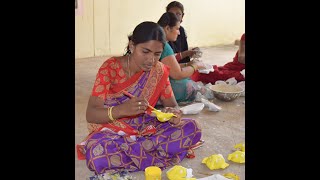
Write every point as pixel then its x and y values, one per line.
pixel 134 106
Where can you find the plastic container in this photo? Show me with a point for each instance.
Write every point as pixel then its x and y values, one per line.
pixel 153 173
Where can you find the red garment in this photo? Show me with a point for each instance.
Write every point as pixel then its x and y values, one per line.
pixel 229 70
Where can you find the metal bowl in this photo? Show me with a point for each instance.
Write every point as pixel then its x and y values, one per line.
pixel 226 92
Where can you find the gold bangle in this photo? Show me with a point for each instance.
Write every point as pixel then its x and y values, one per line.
pixel 110 113
pixel 108 109
pixel 111 117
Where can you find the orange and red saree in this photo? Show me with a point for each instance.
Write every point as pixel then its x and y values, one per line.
pixel 106 149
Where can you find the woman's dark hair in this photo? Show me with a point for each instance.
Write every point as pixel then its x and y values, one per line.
pixel 168 19
pixel 146 31
pixel 175 4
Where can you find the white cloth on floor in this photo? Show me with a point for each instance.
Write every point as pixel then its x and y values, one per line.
pixel 214 177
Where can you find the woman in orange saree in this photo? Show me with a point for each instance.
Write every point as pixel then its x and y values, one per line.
pixel 123 133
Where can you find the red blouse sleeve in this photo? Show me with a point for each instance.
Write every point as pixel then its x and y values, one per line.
pixel 102 83
pixel 167 91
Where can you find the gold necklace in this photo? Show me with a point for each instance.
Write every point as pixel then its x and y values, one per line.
pixel 129 72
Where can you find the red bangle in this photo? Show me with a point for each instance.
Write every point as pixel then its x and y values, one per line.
pixel 178 56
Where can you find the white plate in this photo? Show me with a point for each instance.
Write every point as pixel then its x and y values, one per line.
pixel 192 108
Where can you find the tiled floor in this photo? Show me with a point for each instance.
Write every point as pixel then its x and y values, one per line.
pixel 221 130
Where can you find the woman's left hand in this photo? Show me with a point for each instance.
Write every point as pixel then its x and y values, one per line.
pixel 174 120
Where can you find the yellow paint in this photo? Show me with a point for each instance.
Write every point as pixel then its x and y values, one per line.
pixel 105 25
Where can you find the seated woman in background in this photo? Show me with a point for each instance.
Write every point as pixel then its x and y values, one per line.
pixel 118 123
pixel 180 46
pixel 229 70
pixel 183 88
